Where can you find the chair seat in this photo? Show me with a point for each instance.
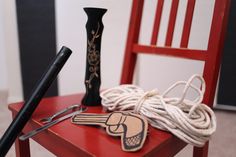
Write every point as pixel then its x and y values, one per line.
pixel 67 139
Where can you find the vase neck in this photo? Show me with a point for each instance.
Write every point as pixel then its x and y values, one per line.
pixel 95 13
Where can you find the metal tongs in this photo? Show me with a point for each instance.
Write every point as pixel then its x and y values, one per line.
pixel 51 123
pixel 49 119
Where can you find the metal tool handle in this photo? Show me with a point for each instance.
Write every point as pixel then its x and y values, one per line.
pixel 36 131
pixel 49 119
pixel 65 110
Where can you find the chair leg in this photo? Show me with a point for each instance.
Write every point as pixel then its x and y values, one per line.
pixel 22 148
pixel 201 152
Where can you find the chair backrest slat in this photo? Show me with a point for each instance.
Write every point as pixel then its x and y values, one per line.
pixel 187 23
pixel 170 51
pixel 172 21
pixel 157 22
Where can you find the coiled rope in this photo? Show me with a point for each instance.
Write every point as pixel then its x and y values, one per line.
pixel 190 120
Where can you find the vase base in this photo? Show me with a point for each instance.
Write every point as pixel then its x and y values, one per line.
pixel 91 101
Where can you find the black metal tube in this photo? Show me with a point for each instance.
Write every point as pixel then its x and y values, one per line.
pixel 32 102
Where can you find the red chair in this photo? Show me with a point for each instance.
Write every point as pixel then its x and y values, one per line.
pixel 211 56
pixel 66 139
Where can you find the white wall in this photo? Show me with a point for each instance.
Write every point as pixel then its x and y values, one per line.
pixel 3 70
pixel 12 51
pixel 161 71
pixel 70 25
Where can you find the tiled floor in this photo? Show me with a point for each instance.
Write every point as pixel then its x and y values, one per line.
pixel 222 144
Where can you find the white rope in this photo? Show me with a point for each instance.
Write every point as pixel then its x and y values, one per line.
pixel 190 120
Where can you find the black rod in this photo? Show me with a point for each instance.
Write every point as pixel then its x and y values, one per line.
pixel 32 102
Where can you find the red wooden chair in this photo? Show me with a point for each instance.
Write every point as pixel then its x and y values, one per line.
pixel 211 56
pixel 66 139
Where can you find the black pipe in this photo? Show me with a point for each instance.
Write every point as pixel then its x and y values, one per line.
pixel 32 102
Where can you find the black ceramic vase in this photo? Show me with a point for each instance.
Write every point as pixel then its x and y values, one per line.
pixel 94 28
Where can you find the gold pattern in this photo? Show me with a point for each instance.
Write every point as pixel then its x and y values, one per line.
pixel 93 57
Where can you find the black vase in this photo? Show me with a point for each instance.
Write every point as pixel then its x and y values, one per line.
pixel 94 28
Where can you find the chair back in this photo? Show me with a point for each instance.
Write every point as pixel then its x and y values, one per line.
pixel 211 56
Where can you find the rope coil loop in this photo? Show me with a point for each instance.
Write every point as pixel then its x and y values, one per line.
pixel 190 120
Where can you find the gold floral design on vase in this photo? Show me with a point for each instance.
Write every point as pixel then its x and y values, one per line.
pixel 93 57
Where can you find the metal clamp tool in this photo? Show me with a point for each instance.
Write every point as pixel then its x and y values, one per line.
pixel 46 126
